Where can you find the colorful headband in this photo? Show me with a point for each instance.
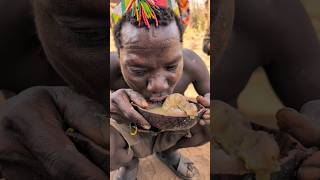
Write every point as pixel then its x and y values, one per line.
pixel 145 10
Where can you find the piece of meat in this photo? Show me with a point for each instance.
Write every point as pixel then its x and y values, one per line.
pixel 257 149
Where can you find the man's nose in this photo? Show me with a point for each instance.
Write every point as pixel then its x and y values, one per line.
pixel 157 84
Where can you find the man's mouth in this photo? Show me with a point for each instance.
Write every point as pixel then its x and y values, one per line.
pixel 157 99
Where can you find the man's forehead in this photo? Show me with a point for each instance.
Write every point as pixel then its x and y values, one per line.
pixel 85 6
pixel 155 37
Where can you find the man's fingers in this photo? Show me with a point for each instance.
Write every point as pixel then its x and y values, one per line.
pixel 56 152
pixel 226 164
pixel 43 114
pixel 137 98
pixel 206 115
pixel 118 118
pixel 204 122
pixel 299 126
pixel 130 113
pixel 308 173
pixel 207 96
pixel 205 119
pixel 83 114
pixel 17 162
pixel 203 101
pixel 313 160
pixel 310 168
pixel 312 109
pixel 95 153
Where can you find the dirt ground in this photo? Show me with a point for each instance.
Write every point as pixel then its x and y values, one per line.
pixel 152 168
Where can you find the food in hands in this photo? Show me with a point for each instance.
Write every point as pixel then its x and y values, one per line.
pixel 176 105
pixel 257 149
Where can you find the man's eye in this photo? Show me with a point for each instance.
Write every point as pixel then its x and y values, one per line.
pixel 138 72
pixel 172 68
pixel 96 34
pixel 88 37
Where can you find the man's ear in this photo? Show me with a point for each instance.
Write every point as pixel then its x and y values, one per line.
pixel 221 25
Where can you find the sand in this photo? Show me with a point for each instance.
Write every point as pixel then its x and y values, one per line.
pixel 152 168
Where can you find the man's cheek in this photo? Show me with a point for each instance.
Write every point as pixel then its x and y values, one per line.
pixel 134 83
pixel 174 78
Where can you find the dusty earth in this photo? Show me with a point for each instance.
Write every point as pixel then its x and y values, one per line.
pixel 152 168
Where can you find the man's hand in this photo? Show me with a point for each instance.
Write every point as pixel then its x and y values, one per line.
pixel 306 130
pixel 34 142
pixel 205 101
pixel 122 110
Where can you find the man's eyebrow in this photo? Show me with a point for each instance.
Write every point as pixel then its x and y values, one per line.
pixel 134 62
pixel 85 7
pixel 174 60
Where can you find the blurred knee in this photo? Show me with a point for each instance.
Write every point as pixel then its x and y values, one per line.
pixel 120 154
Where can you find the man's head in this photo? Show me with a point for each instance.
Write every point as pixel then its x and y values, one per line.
pixel 74 37
pixel 151 59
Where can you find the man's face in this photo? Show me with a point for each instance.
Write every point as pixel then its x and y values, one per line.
pixel 73 35
pixel 151 60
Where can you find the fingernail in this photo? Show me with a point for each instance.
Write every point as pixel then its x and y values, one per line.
pixel 145 104
pixel 206 116
pixel 202 123
pixel 146 127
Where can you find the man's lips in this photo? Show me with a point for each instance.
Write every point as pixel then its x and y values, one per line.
pixel 157 99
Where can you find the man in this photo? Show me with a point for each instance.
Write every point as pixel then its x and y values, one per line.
pixel 49 44
pixel 151 64
pixel 206 39
pixel 278 36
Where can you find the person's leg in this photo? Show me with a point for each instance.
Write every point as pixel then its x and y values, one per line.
pixel 128 172
pixel 182 165
pixel 121 157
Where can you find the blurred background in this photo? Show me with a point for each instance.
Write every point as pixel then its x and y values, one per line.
pixel 259 91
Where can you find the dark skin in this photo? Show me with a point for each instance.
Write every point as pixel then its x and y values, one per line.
pixel 152 70
pixel 59 47
pixel 278 36
pixel 81 40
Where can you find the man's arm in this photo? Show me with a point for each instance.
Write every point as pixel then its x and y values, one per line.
pixel 116 78
pixel 34 141
pixel 206 42
pixel 198 72
pixel 295 55
pixel 294 74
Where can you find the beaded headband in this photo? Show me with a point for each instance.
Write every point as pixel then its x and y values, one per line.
pixel 145 10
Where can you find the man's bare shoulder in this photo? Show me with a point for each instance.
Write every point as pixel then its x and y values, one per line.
pixel 115 73
pixel 193 64
pixel 114 65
